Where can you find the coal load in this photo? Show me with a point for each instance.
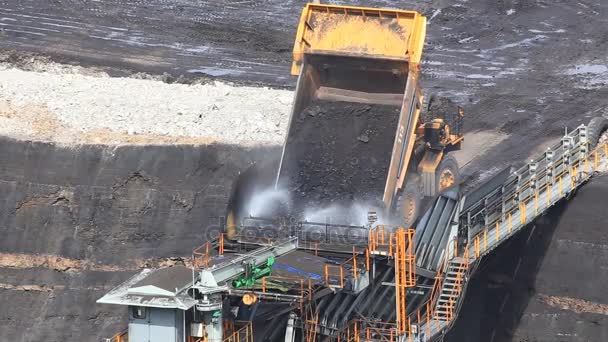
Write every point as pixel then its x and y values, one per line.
pixel 338 153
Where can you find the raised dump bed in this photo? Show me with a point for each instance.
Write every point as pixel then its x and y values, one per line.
pixel 338 153
pixel 355 139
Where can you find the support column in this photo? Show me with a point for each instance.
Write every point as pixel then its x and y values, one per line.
pixel 290 331
pixel 210 308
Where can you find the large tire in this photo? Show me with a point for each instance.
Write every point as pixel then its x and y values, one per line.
pixel 597 126
pixel 447 174
pixel 409 201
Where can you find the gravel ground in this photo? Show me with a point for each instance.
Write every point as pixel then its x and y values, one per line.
pixel 77 105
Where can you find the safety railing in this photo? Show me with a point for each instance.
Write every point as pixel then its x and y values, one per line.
pixel 535 186
pixel 456 286
pixel 504 212
pixel 381 240
pixel 203 255
pixel 122 336
pixel 311 325
pixel 336 274
pixel 405 273
pixel 243 334
pixel 312 246
pixel 229 327
pixel 303 288
pixel 397 243
pixel 523 197
pixel 233 331
pixel 361 330
pixel 423 316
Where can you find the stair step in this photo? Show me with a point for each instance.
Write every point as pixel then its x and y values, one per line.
pixel 449 295
pixel 448 291
pixel 450 287
pixel 441 313
pixel 444 309
pixel 446 305
pixel 458 268
pixel 453 279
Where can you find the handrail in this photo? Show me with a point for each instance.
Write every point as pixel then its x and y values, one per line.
pixel 382 241
pixel 350 267
pixel 304 291
pixel 311 326
pixel 518 198
pixel 243 334
pixel 122 336
pixel 362 330
pixel 202 256
pixel 405 274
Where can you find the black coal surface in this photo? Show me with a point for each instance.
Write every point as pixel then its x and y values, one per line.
pixel 338 152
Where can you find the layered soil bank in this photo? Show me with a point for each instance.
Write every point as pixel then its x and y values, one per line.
pixel 77 221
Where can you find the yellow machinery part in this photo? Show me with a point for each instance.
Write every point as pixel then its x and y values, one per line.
pixel 359 31
pixel 249 299
pixel 231 226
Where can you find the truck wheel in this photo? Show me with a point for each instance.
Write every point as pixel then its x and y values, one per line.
pixel 596 127
pixel 408 203
pixel 447 174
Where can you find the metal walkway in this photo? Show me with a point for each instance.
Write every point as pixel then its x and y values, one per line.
pixel 494 212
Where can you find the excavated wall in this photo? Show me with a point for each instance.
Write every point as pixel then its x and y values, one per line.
pixel 77 221
pixel 548 284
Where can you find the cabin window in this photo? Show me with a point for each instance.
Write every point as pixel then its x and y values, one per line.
pixel 139 312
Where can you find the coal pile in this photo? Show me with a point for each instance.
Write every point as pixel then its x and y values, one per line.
pixel 338 153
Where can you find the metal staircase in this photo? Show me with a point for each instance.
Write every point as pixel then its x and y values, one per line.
pixel 451 289
pixel 497 210
pixel 429 278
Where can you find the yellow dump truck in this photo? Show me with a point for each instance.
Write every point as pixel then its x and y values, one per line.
pixel 359 130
